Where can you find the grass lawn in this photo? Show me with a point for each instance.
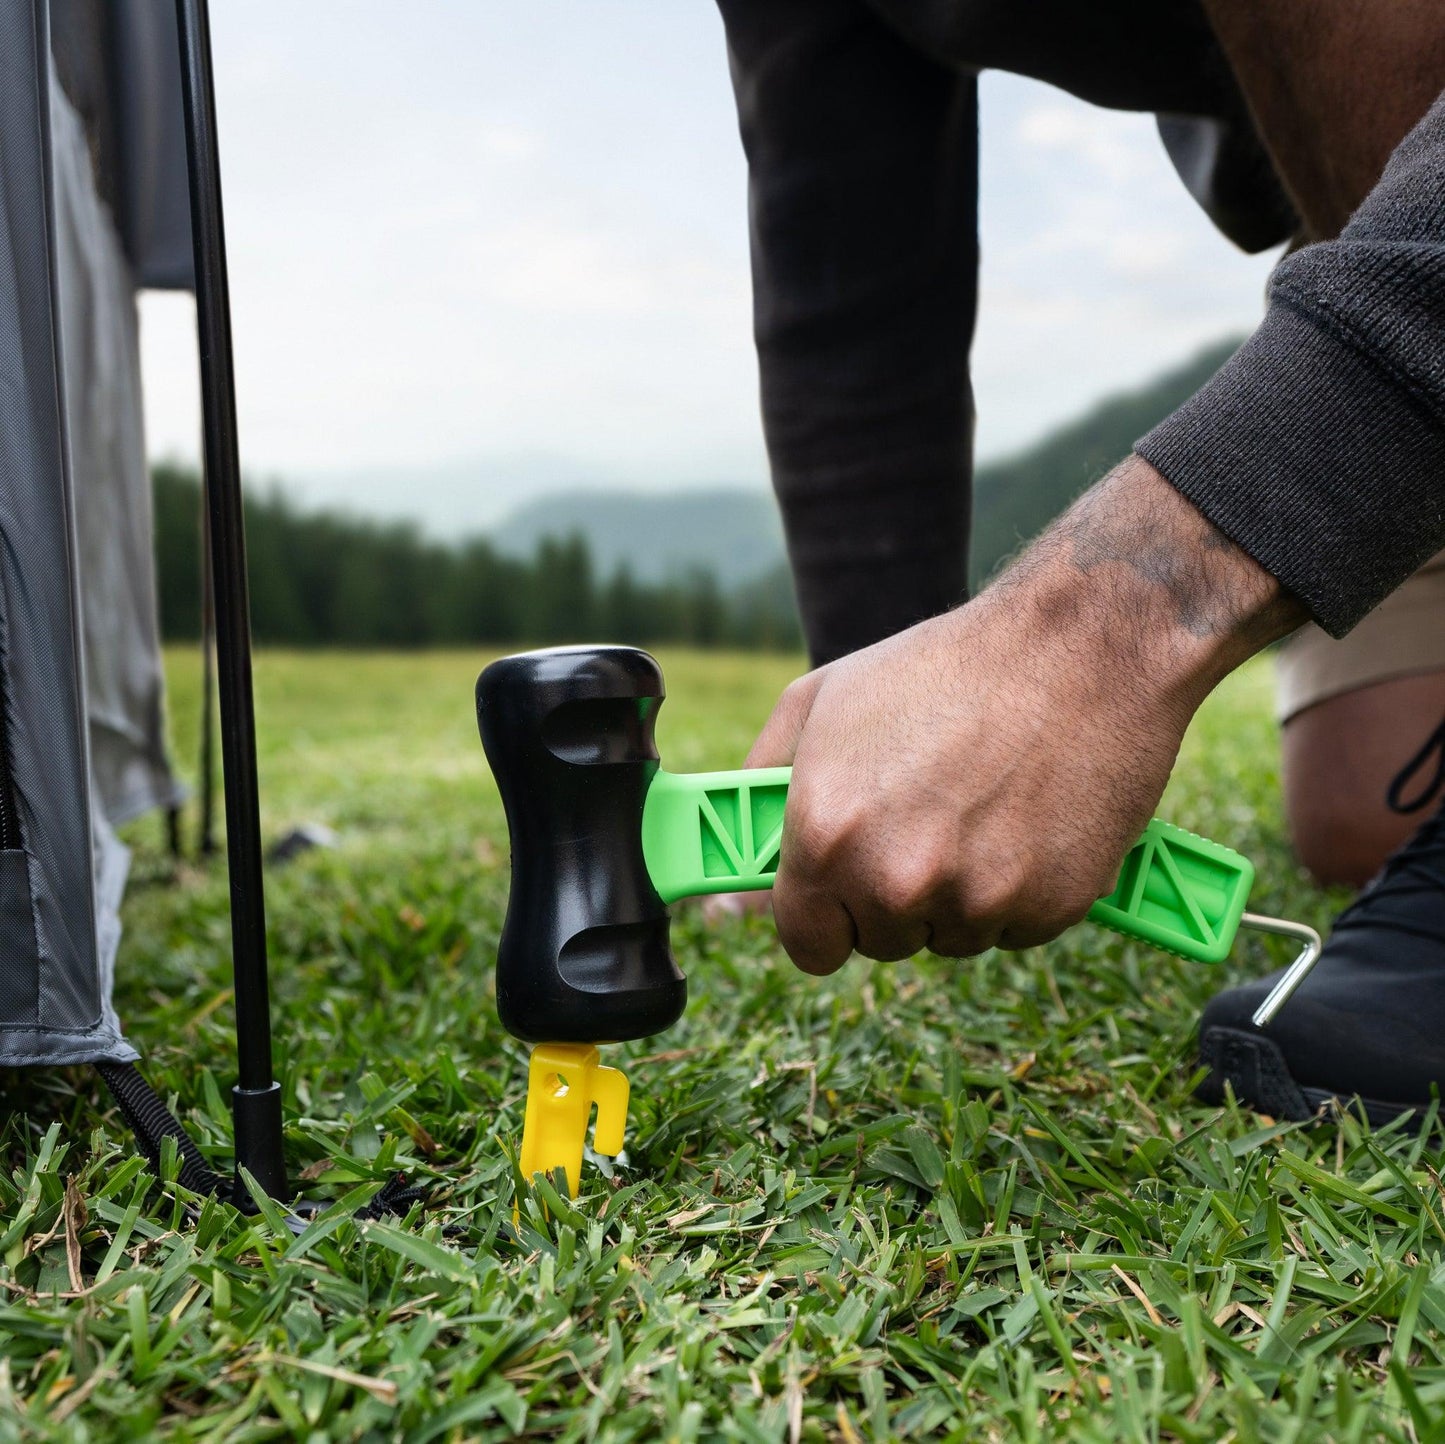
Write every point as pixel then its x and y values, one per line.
pixel 957 1200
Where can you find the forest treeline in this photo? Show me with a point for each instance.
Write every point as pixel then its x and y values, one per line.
pixel 326 579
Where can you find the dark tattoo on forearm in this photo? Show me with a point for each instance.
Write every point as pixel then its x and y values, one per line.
pixel 1203 574
pixel 1095 535
pixel 1213 589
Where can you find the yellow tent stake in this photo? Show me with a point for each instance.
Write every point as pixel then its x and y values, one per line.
pixel 564 1080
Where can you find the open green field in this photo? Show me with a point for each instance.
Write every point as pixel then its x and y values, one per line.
pixel 957 1200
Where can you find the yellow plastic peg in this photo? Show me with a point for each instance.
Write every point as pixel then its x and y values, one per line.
pixel 564 1080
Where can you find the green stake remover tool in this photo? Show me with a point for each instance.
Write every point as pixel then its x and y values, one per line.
pixel 716 832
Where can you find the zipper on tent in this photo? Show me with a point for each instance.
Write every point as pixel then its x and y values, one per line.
pixel 9 817
pixel 10 838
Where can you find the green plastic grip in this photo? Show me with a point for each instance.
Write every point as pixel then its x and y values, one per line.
pixel 712 832
pixel 1180 892
pixel 705 832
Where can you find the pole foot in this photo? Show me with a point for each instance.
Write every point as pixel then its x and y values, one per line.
pixel 259 1150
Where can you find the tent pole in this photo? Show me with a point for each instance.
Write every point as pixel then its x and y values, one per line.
pixel 256 1099
pixel 208 685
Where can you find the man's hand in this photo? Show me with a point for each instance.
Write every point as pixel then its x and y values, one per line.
pixel 976 780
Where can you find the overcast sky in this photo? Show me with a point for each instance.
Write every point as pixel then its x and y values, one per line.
pixel 479 250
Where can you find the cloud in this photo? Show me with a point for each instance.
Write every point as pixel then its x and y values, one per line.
pixel 1079 135
pixel 551 268
pixel 534 238
pixel 508 142
pixel 1099 270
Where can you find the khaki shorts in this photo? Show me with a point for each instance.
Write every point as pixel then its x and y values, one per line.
pixel 1404 635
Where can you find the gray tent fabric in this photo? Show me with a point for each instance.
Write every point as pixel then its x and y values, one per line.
pixel 155 201
pixel 100 346
pixel 80 699
pixel 53 1003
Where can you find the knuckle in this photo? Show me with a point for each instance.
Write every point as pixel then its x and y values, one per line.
pixel 995 896
pixel 820 836
pixel 1029 927
pixel 809 841
pixel 990 905
pixel 796 698
pixel 795 689
pixel 905 887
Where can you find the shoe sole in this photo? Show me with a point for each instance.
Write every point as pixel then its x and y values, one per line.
pixel 1255 1071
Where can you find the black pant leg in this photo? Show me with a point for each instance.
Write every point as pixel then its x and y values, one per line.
pixel 863 183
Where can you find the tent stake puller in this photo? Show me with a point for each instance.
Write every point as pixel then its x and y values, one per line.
pixel 713 832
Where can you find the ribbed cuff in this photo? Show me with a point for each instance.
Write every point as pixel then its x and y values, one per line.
pixel 1308 456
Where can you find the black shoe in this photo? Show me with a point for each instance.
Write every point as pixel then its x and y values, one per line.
pixel 1367 1027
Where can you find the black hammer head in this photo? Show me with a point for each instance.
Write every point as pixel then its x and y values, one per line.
pixel 584 956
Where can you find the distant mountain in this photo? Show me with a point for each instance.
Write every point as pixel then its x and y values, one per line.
pixel 734 533
pixel 1014 499
pixel 450 499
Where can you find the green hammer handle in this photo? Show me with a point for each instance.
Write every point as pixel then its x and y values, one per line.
pixel 713 832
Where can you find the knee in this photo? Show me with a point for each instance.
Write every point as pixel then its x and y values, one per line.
pixel 1339 758
pixel 1340 845
pixel 1339 822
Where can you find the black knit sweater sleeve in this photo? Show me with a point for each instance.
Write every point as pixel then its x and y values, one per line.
pixel 1320 447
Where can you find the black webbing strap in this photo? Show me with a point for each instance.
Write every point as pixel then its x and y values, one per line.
pixel 395 1196
pixel 152 1123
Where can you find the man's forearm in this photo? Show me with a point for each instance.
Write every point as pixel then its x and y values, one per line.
pixel 1137 563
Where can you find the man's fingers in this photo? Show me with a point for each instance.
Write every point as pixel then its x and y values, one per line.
pixel 888 939
pixel 778 741
pixel 813 927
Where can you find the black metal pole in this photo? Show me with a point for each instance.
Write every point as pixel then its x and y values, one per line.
pixel 208 686
pixel 256 1099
